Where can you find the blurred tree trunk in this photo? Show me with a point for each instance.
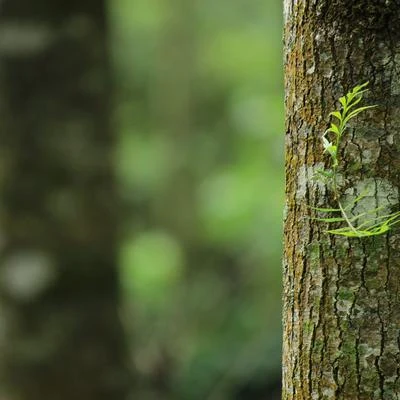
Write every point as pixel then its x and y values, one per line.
pixel 60 335
pixel 341 296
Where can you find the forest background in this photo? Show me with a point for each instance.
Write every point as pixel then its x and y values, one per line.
pixel 200 161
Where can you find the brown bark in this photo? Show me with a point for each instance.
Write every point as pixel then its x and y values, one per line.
pixel 341 296
pixel 60 335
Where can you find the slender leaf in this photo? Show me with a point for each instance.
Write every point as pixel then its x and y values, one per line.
pixel 329 220
pixel 325 209
pixel 337 115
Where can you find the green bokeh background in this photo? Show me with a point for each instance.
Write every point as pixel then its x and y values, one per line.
pixel 199 111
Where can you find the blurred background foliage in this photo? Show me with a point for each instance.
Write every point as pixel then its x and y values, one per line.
pixel 199 111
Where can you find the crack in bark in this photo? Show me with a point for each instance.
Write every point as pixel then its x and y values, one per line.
pixel 378 358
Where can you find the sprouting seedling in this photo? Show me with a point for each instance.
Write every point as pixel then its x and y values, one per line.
pixel 363 224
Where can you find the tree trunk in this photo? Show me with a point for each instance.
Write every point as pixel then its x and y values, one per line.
pixel 341 295
pixel 60 335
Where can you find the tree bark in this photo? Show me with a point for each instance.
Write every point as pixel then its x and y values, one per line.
pixel 60 335
pixel 341 296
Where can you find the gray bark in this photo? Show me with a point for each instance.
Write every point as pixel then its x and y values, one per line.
pixel 60 335
pixel 341 296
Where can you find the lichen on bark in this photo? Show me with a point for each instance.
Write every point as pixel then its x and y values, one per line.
pixel 341 302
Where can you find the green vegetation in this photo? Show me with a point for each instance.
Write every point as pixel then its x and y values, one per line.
pixel 367 223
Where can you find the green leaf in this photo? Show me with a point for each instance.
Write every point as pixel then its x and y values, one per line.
pixel 342 231
pixel 336 114
pixel 374 210
pixel 325 209
pixel 350 233
pixel 357 88
pixel 332 150
pixel 361 196
pixel 334 129
pixel 343 102
pixel 329 147
pixel 355 112
pixel 326 173
pixel 358 98
pixel 393 217
pixel 325 142
pixel 330 220
pixel 388 218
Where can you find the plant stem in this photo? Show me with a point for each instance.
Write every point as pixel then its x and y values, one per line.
pixel 334 184
pixel 347 219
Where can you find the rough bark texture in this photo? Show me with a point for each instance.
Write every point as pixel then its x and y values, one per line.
pixel 341 296
pixel 60 336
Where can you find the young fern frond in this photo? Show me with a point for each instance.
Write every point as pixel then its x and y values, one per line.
pixel 356 225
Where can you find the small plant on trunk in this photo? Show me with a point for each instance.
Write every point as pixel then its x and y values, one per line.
pixel 368 223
